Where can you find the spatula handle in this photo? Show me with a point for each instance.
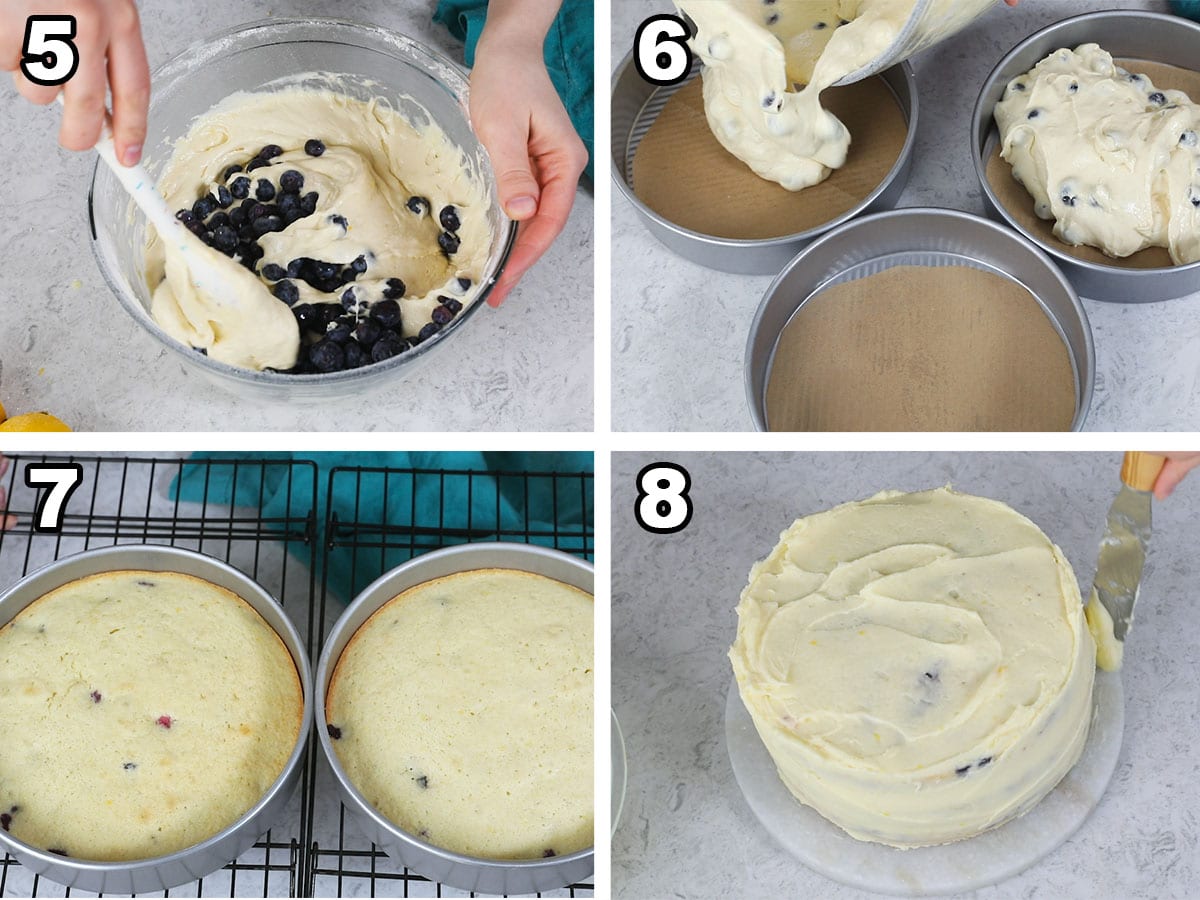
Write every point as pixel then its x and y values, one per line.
pixel 1140 470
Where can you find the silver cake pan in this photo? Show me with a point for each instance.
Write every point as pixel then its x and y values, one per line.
pixel 468 873
pixel 164 872
pixel 636 104
pixel 917 237
pixel 1131 34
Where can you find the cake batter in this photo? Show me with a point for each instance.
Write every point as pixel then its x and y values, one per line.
pixel 766 64
pixel 917 665
pixel 1113 160
pixel 355 205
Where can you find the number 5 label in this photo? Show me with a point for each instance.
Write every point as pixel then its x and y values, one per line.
pixel 48 57
pixel 660 50
pixel 62 479
pixel 663 505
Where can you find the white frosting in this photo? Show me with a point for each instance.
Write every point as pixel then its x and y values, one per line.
pixel 766 64
pixel 917 665
pixel 1110 652
pixel 375 161
pixel 1112 159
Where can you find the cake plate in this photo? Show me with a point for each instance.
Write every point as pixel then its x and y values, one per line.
pixel 983 860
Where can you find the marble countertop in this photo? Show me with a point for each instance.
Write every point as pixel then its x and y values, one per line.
pixel 67 346
pixel 1146 378
pixel 688 832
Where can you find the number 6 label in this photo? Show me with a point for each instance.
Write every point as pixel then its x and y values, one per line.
pixel 48 57
pixel 62 479
pixel 663 505
pixel 660 50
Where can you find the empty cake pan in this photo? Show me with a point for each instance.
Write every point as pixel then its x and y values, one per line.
pixel 1126 34
pixel 636 104
pixel 924 238
pixel 165 872
pixel 469 873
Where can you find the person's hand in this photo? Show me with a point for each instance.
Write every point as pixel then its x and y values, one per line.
pixel 6 521
pixel 536 154
pixel 109 40
pixel 1176 468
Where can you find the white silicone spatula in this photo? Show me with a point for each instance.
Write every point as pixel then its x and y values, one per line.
pixel 208 279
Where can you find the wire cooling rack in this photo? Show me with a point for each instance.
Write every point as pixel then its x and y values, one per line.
pixel 313 850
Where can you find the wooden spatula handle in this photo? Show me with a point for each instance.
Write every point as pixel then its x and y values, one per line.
pixel 1140 470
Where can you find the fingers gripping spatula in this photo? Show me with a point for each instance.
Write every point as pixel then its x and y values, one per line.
pixel 1122 557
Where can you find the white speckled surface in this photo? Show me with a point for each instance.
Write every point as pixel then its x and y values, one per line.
pixel 688 832
pixel 67 346
pixel 670 314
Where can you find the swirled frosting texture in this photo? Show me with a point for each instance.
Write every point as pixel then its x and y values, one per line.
pixel 917 665
pixel 1113 160
pixel 766 64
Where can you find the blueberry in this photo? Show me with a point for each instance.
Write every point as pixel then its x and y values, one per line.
pixel 273 272
pixel 207 237
pixel 1073 87
pixel 429 331
pixel 96 696
pixel 441 315
pixel 449 243
pixel 821 26
pixel 359 264
pixel 340 221
pixel 240 189
pixel 288 202
pixel 356 356
pixel 330 312
pixel 769 100
pixel 291 180
pixel 324 271
pixel 1188 139
pixel 5 820
pixel 231 171
pixel 287 292
pixel 1067 200
pixel 1033 114
pixel 247 233
pixel 308 202
pixel 186 216
pixel 224 198
pixel 293 215
pixel 387 346
pixel 386 313
pixel 314 147
pixel 327 356
pixel 368 332
pixel 225 239
pixel 197 228
pixel 298 266
pixel 418 205
pixel 1018 86
pixel 218 219
pixel 1158 98
pixel 306 315
pixel 204 207
pixel 963 770
pixel 1133 77
pixel 340 329
pixel 449 218
pixel 395 289
pixel 983 762
pixel 455 306
pixel 257 211
pixel 1196 200
pixel 464 283
pixel 237 217
pixel 256 163
pixel 348 299
pixel 773 18
pixel 265 190
pixel 267 224
pixel 129 766
pixel 422 782
pixel 270 151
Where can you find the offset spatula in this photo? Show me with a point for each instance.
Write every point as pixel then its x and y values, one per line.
pixel 1122 556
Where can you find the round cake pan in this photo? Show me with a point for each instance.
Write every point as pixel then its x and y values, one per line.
pixel 1129 34
pixel 468 873
pixel 917 237
pixel 636 104
pixel 165 872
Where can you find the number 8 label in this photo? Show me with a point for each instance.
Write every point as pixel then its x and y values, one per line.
pixel 663 505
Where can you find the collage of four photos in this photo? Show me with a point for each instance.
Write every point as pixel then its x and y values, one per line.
pixel 391 505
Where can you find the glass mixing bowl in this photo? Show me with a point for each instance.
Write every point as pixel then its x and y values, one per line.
pixel 371 62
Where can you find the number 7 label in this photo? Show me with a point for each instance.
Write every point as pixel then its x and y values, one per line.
pixel 61 479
